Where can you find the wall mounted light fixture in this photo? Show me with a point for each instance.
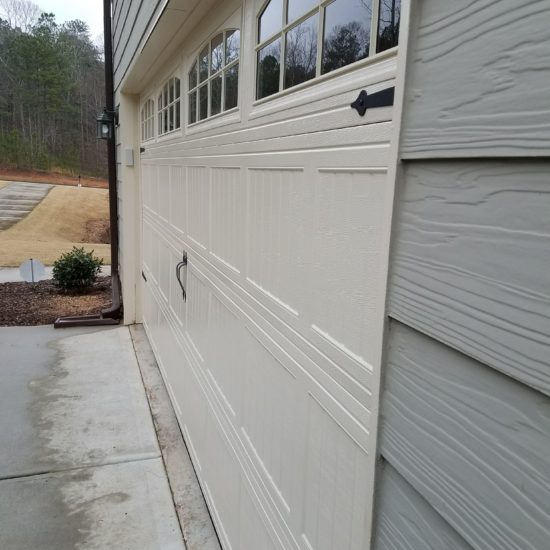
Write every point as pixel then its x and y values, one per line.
pixel 106 124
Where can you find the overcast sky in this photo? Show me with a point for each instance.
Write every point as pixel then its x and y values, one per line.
pixel 89 11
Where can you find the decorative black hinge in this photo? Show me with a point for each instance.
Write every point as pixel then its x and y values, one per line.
pixel 364 101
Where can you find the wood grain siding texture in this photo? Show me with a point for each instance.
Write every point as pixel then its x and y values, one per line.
pixel 471 259
pixel 406 520
pixel 477 80
pixel 473 442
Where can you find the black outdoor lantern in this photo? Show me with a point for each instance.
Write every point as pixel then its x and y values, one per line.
pixel 105 125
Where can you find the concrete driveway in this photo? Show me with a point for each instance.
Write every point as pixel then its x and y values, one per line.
pixel 18 199
pixel 80 465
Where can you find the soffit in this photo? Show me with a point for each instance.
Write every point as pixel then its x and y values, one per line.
pixel 167 32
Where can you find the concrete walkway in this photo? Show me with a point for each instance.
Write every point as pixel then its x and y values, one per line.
pixel 80 465
pixel 18 199
pixel 12 274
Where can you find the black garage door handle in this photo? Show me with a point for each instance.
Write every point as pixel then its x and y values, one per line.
pixel 178 275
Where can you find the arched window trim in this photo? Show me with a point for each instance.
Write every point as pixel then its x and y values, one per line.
pixel 375 49
pixel 148 120
pixel 196 85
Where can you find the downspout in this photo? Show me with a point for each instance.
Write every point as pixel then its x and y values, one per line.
pixel 111 315
pixel 115 310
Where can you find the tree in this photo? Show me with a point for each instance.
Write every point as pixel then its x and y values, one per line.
pixel 51 89
pixel 301 54
pixel 390 12
pixel 344 45
pixel 20 14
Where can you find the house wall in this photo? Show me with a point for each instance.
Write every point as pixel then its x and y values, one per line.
pixel 465 407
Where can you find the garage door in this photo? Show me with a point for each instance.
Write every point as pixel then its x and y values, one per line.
pixel 275 213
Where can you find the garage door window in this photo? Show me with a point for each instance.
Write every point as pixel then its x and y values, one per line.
pixel 301 39
pixel 148 120
pixel 214 77
pixel 169 114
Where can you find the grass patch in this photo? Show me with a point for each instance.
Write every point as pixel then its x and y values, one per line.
pixel 58 223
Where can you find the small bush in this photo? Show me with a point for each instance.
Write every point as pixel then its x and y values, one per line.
pixel 76 270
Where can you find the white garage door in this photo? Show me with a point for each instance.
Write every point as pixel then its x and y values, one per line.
pixel 282 208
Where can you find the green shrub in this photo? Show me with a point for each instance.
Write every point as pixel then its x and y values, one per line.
pixel 76 270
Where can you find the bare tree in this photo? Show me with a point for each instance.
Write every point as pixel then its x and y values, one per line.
pixel 22 14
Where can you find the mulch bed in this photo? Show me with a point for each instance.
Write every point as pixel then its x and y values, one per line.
pixel 26 304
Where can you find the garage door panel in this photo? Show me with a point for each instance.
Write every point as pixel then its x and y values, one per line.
pixel 253 531
pixel 228 204
pixel 273 436
pixel 198 178
pixel 165 271
pixel 223 479
pixel 153 192
pixel 277 228
pixel 346 238
pixel 337 485
pixel 198 311
pixel 301 357
pixel 314 239
pixel 372 139
pixel 194 412
pixel 226 358
pixel 163 192
pixel 178 199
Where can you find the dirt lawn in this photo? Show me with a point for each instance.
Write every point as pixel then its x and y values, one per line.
pixel 37 176
pixel 62 220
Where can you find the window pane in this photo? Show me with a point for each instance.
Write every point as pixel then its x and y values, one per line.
pixel 271 20
pixel 192 107
pixel 165 121
pixel 347 33
pixel 216 95
pixel 388 24
pixel 171 91
pixel 203 64
pixel 203 102
pixel 268 69
pixel 232 45
pixel 171 118
pixel 299 7
pixel 231 87
pixel 178 114
pixel 165 96
pixel 160 123
pixel 301 52
pixel 151 127
pixel 193 76
pixel 160 102
pixel 216 55
pixel 177 88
